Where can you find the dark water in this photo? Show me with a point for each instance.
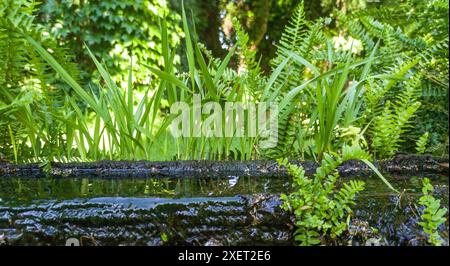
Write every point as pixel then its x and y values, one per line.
pixel 45 211
pixel 26 190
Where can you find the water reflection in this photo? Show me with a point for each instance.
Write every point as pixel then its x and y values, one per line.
pixel 21 190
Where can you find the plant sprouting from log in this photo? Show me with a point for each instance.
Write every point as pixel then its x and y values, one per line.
pixel 320 210
pixel 432 215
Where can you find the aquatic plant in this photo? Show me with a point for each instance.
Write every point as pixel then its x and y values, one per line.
pixel 433 215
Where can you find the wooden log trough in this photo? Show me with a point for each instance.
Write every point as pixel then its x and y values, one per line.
pixel 241 219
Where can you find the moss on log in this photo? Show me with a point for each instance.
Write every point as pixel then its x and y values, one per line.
pixel 402 164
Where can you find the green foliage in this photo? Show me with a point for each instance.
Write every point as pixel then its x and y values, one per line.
pixel 114 31
pixel 122 130
pixel 394 119
pixel 421 143
pixel 247 57
pixel 411 30
pixel 297 41
pixel 322 210
pixel 164 237
pixel 31 95
pixel 252 15
pixel 322 89
pixel 214 81
pixel 299 37
pixel 329 90
pixel 432 215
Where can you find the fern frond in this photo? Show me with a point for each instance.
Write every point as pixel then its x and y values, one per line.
pixel 395 118
pixel 346 195
pixel 422 143
pixel 294 33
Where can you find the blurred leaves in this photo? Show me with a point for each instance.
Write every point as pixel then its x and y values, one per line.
pixel 114 30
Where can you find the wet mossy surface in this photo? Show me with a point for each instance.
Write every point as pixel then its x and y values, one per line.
pixel 401 164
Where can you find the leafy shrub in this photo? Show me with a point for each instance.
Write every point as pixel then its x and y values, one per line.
pixel 410 30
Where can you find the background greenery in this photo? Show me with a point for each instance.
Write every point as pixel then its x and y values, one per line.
pixel 88 80
pixel 382 66
pixel 114 30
